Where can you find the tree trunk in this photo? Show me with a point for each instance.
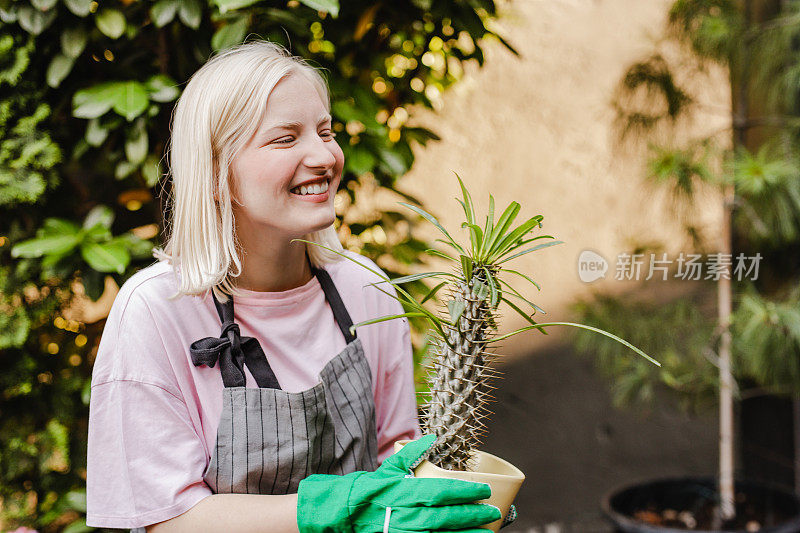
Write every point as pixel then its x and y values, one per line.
pixel 724 300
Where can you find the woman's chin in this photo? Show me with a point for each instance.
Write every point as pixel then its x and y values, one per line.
pixel 323 225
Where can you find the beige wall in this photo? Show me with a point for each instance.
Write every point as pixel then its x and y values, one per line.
pixel 537 129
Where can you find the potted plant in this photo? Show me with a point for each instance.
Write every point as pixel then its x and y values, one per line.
pixel 460 370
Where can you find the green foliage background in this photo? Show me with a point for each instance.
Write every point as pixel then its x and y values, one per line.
pixel 86 93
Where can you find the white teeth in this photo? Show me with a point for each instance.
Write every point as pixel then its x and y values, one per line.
pixel 318 188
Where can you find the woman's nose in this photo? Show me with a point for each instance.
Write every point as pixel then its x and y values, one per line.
pixel 319 154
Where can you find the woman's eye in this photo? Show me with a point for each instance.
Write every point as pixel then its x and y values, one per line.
pixel 328 134
pixel 284 140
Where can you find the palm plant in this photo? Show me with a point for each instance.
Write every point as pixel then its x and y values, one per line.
pixel 755 41
pixel 460 369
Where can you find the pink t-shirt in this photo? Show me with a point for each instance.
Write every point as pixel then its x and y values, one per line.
pixel 153 415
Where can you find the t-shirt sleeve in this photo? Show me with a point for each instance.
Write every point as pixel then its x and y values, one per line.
pixel 145 460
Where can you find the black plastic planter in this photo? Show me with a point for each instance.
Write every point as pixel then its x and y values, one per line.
pixel 776 510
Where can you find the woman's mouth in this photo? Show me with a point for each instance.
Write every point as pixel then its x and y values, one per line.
pixel 314 192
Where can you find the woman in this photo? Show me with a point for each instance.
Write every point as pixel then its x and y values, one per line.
pixel 279 423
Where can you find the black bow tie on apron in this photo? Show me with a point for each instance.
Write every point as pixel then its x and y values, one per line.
pixel 234 351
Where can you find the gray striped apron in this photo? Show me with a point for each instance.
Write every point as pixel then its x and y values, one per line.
pixel 268 440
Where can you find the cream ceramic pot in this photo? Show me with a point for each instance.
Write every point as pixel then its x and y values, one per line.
pixel 504 478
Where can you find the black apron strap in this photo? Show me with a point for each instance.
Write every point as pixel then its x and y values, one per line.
pixel 335 301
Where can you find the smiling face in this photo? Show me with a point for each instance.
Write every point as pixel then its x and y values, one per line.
pixel 286 176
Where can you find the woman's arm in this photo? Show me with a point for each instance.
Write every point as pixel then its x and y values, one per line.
pixel 235 513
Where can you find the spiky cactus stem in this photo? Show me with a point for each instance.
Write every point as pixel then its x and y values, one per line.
pixel 458 378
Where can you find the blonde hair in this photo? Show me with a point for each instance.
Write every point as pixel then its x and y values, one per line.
pixel 218 112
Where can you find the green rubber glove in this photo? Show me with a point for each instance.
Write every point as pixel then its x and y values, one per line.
pixel 357 502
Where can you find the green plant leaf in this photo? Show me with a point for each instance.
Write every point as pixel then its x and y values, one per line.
pixel 493 288
pixel 53 227
pixel 521 297
pixel 99 215
pixel 539 247
pixel 522 275
pixel 43 5
pixel 60 66
pixel 431 293
pixel 38 247
pixel 151 170
pixel 416 277
pixel 80 8
pixel 455 308
pixel 404 297
pixel 488 226
pixel 190 13
pixel 94 101
pixel 124 169
pixel 475 239
pixel 136 143
pixel 161 88
pixel 583 326
pixel 73 41
pixel 130 99
pixel 328 6
pixel 469 207
pixel 519 311
pixel 437 253
pixel 430 218
pixel 97 233
pixel 35 21
pixel 106 257
pixel 511 241
pixel 227 5
pixel 466 268
pixel 230 34
pixel 163 12
pixel 95 133
pixel 111 22
pixel 505 221
pixel 384 319
pixel 480 289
